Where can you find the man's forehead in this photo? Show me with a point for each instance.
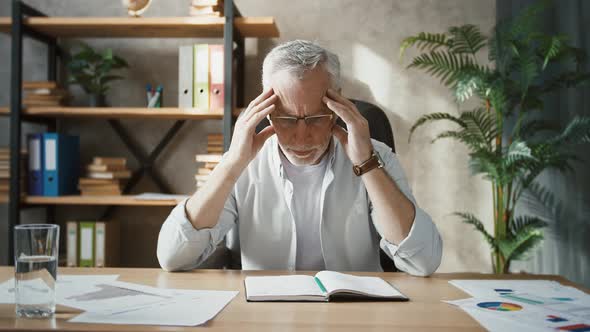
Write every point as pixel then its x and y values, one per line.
pixel 301 93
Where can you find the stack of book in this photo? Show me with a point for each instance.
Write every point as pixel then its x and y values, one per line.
pixel 206 8
pixel 43 94
pixel 5 171
pixel 209 160
pixel 104 176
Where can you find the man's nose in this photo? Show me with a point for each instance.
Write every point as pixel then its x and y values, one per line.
pixel 301 130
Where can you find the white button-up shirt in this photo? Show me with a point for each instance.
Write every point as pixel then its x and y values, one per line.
pixel 258 210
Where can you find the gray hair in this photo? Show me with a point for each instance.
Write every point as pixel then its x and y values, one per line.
pixel 297 57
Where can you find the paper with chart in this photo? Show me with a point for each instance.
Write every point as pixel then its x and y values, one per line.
pixel 522 315
pixel 109 301
pixel 525 304
pixel 183 308
pixel 543 288
pixel 115 296
pixel 66 285
pixel 543 293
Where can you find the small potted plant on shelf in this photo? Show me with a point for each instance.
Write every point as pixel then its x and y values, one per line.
pixel 92 71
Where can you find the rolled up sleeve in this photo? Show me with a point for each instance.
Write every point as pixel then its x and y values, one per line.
pixel 420 253
pixel 182 247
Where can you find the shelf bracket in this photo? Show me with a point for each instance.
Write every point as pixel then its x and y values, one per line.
pixel 146 161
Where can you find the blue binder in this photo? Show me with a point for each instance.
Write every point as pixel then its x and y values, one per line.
pixel 35 175
pixel 61 166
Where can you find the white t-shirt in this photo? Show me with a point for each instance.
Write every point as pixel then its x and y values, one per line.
pixel 307 187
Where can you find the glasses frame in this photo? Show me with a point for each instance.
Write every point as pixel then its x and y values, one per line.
pixel 304 118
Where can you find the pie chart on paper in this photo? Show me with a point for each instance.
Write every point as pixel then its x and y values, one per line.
pixel 499 306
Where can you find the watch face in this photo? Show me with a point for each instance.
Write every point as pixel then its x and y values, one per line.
pixel 356 170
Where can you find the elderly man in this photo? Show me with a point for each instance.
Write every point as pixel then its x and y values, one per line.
pixel 304 193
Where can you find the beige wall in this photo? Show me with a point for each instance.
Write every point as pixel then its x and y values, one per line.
pixel 366 35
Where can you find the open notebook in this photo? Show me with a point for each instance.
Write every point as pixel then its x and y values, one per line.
pixel 324 286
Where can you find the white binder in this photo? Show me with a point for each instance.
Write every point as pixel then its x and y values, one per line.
pixel 72 243
pixel 185 76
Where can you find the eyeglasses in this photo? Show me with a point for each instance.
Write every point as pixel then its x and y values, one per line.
pixel 317 121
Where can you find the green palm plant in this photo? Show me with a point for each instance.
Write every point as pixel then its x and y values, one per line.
pixel 509 144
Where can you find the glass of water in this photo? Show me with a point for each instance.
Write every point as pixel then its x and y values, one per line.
pixel 35 258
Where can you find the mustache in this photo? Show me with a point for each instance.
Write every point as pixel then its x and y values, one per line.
pixel 303 147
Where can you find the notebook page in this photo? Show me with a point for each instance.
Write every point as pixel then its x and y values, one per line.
pixel 282 286
pixel 369 285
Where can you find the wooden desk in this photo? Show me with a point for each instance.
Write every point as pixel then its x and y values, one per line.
pixel 424 312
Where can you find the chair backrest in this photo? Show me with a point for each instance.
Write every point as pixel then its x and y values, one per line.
pixel 380 130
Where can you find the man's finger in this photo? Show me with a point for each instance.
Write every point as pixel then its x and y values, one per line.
pixel 333 94
pixel 265 134
pixel 257 117
pixel 264 95
pixel 350 106
pixel 339 109
pixel 262 106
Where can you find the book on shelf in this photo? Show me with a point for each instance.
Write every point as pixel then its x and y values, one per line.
pixel 214 149
pixel 5 170
pixel 206 8
pixel 91 181
pixel 204 171
pixel 208 158
pixel 207 2
pixel 214 137
pixel 104 176
pixel 60 163
pixel 109 161
pixel 105 168
pixel 204 11
pixel 201 77
pixel 324 286
pixel 93 243
pixel 32 85
pixel 43 93
pixel 110 175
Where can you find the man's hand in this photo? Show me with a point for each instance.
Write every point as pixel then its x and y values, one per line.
pixel 357 140
pixel 245 142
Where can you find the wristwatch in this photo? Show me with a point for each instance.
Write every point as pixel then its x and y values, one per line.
pixel 373 162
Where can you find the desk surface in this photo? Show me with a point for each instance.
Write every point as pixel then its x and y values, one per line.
pixel 424 312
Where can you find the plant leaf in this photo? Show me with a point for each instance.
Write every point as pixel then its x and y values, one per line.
pixel 424 41
pixel 434 117
pixel 469 218
pixel 517 247
pixel 466 39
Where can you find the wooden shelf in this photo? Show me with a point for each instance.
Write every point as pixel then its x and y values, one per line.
pixel 128 200
pixel 146 27
pixel 121 112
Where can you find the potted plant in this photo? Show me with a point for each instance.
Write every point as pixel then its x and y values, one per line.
pixel 509 144
pixel 92 71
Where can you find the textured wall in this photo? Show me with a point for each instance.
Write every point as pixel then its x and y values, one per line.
pixel 365 34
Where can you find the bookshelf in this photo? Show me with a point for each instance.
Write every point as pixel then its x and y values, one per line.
pixel 27 21
pixel 146 27
pixel 122 200
pixel 122 112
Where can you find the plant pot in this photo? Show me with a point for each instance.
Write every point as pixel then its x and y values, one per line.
pixel 97 100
